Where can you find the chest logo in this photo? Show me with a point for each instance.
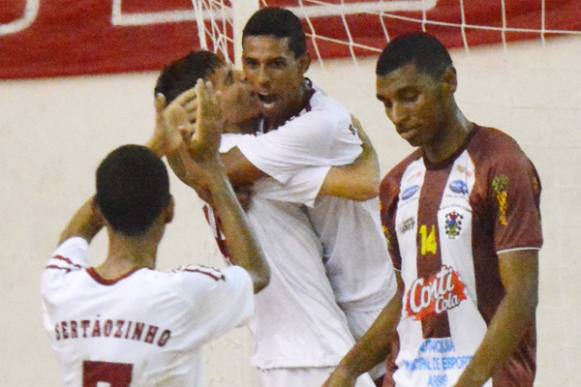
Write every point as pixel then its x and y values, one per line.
pixel 453 224
pixel 407 225
pixel 436 294
pixel 459 187
pixel 409 192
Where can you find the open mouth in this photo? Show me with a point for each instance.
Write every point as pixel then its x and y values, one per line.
pixel 266 99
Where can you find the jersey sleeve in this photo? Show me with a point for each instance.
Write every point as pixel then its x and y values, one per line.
pixel 514 202
pixel 314 139
pixel 388 196
pixel 220 300
pixel 70 255
pixel 302 188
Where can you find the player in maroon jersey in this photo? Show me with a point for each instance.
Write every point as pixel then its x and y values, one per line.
pixel 461 215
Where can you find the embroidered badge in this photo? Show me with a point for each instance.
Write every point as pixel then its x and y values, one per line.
pixel 453 224
pixel 499 186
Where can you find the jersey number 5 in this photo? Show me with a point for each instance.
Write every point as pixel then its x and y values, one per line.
pixel 113 374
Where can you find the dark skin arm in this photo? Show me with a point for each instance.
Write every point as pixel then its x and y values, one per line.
pixel 519 271
pixel 373 347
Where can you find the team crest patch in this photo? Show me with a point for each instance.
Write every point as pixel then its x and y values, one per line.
pixel 453 224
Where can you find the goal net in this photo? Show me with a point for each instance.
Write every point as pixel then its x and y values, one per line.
pixel 358 28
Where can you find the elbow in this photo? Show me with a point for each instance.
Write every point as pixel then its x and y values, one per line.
pixel 366 191
pixel 261 281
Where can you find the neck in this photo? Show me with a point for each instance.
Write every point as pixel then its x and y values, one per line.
pixel 451 137
pixel 127 254
pixel 293 108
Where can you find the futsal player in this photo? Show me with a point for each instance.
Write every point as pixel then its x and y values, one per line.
pixel 462 217
pixel 123 323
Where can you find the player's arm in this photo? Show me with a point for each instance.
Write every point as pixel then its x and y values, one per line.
pixel 239 169
pixel 356 181
pixel 85 223
pixel 373 347
pixel 519 274
pixel 211 179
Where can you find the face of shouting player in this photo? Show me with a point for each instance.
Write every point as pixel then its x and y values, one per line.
pixel 417 104
pixel 238 103
pixel 276 76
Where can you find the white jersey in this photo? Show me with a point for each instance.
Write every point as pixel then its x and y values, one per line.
pixel 143 329
pixel 297 323
pixel 298 155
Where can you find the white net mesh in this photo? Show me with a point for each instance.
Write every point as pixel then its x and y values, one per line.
pixel 355 28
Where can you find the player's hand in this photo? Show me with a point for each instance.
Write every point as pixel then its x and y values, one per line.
pixel 340 379
pixel 173 119
pixel 208 124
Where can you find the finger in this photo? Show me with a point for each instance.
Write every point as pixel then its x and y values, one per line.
pixel 191 105
pixel 159 102
pixel 185 97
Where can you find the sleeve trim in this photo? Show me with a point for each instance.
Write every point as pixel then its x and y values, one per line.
pixel 517 249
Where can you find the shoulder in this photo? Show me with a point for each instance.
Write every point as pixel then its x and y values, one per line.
pixel 206 278
pixel 326 110
pixel 493 146
pixel 393 178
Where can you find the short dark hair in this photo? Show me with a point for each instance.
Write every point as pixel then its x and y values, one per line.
pixel 132 189
pixel 280 23
pixel 425 51
pixel 183 73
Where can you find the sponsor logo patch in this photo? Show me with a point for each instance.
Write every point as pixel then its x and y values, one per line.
pixel 407 225
pixel 409 192
pixel 459 187
pixel 434 295
pixel 453 224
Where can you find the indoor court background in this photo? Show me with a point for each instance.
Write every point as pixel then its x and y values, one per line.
pixel 55 131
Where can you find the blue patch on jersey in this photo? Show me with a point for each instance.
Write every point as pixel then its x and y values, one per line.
pixel 409 192
pixel 459 187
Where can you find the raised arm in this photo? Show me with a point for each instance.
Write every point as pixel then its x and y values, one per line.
pixel 519 272
pixel 210 178
pixel 356 181
pixel 85 223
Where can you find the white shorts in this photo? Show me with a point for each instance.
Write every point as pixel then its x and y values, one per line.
pixel 302 377
pixel 359 322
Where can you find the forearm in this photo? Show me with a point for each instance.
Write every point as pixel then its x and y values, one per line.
pixel 86 223
pixel 156 145
pixel 242 244
pixel 510 322
pixel 358 180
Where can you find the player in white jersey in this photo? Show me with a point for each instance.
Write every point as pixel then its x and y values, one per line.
pixel 123 323
pixel 299 301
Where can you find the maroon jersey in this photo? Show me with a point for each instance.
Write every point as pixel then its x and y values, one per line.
pixel 446 225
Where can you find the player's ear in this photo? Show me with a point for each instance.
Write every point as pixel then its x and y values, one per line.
pixel 304 62
pixel 169 210
pixel 450 80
